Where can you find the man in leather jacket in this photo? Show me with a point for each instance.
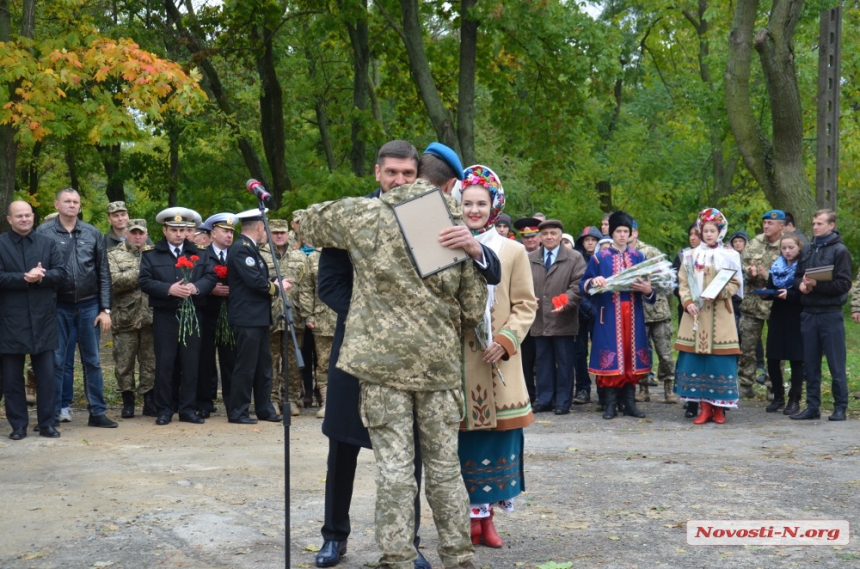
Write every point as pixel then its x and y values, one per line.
pixel 83 300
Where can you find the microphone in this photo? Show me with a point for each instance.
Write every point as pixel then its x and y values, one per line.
pixel 256 188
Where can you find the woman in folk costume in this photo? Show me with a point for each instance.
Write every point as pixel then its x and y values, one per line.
pixel 494 388
pixel 707 369
pixel 619 343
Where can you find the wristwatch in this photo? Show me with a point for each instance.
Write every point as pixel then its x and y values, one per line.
pixel 106 311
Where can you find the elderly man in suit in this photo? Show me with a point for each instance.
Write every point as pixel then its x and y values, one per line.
pixel 556 272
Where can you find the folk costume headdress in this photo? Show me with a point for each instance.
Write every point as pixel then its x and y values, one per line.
pixel 478 175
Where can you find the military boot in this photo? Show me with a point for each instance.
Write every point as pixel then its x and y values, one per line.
pixel 127 404
pixel 149 409
pixel 668 392
pixel 629 395
pixel 644 394
pixel 611 400
pixel 321 412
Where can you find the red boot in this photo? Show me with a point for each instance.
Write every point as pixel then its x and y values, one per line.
pixel 719 415
pixel 476 531
pixel 706 413
pixel 489 536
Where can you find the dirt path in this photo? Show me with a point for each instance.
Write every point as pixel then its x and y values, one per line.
pixel 599 493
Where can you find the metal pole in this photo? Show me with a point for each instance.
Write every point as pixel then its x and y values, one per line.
pixel 289 326
pixel 829 76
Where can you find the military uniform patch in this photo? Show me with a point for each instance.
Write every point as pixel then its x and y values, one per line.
pixel 249 261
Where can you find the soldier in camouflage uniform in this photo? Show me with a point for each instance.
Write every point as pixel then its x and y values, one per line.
pixel 321 320
pixel 131 321
pixel 658 322
pixel 756 260
pixel 293 265
pixel 855 299
pixel 402 342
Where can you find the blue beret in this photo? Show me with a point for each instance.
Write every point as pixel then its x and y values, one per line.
pixel 450 157
pixel 775 214
pixel 635 225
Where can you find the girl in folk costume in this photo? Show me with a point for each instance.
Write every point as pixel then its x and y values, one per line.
pixel 494 388
pixel 619 343
pixel 707 369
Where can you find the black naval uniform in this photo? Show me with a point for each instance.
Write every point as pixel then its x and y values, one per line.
pixel 207 383
pixel 250 315
pixel 157 273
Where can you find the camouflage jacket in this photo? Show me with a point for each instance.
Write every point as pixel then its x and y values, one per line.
pixel 311 307
pixel 762 254
pixel 131 309
pixel 293 265
pixel 855 295
pixel 660 310
pixel 402 331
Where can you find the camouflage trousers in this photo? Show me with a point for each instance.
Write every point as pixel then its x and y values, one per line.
pixel 276 343
pixel 323 346
pixel 128 348
pixel 661 336
pixel 389 415
pixel 750 330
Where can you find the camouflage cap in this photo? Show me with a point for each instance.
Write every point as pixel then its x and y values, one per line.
pixel 114 207
pixel 298 214
pixel 278 226
pixel 139 224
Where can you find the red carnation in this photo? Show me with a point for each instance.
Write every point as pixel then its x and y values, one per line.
pixel 221 271
pixel 559 301
pixel 184 263
pixel 195 258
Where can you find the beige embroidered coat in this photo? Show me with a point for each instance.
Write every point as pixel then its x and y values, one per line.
pixel 489 403
pixel 715 332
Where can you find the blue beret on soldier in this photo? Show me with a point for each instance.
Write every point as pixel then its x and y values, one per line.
pixel 448 156
pixel 775 214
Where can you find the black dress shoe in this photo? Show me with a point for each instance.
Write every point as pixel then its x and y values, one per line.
pixel 163 420
pixel 101 421
pixel 330 553
pixel 244 421
pixel 775 406
pixel 807 415
pixel 190 418
pixel 582 397
pixel 204 413
pixel 838 415
pixel 541 408
pixel 274 419
pixel 562 411
pixel 18 434
pixel 50 432
pixel 421 562
pixel 55 424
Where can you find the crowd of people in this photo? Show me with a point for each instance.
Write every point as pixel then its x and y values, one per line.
pixel 438 375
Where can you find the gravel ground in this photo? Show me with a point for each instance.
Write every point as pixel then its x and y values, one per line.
pixel 599 493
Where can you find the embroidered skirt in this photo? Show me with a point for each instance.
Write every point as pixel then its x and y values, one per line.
pixel 492 464
pixel 707 377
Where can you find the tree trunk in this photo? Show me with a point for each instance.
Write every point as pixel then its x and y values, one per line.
pixel 356 27
pixel 110 155
pixel 325 139
pixel 440 117
pixel 778 166
pixel 32 173
pixel 272 121
pixel 197 48
pixel 174 131
pixel 372 84
pixel 71 165
pixel 466 95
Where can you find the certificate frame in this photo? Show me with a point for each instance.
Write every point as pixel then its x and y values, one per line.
pixel 717 285
pixel 821 274
pixel 421 218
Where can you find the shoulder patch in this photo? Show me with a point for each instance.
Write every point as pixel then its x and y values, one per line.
pixel 250 261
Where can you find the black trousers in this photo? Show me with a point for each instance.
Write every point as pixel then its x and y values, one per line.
pixel 174 356
pixel 555 356
pixel 340 478
pixel 207 383
pixel 774 370
pixel 252 374
pixel 824 335
pixel 528 353
pixel 13 386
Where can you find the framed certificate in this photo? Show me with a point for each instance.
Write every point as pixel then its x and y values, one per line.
pixel 821 274
pixel 717 285
pixel 421 219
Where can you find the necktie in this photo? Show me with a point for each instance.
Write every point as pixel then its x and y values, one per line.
pixel 177 252
pixel 221 256
pixel 548 260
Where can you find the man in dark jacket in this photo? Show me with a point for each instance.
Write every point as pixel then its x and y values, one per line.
pixel 83 300
pixel 249 311
pixel 31 269
pixel 163 281
pixel 397 164
pixel 821 320
pixel 586 244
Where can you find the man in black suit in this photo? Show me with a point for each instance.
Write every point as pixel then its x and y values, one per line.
pixel 163 281
pixel 249 310
pixel 220 227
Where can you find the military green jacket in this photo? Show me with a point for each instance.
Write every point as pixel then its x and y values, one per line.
pixel 293 265
pixel 311 307
pixel 402 331
pixel 763 254
pixel 660 310
pixel 131 309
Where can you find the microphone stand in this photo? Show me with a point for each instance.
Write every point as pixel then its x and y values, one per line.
pixel 289 325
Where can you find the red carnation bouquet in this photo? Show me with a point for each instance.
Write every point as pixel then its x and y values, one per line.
pixel 223 332
pixel 559 301
pixel 187 314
